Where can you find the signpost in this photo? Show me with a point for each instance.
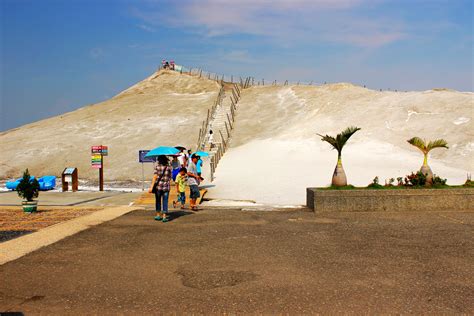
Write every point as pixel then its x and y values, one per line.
pixel 142 159
pixel 97 161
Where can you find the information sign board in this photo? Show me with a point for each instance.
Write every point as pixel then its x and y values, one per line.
pixel 142 158
pixel 103 150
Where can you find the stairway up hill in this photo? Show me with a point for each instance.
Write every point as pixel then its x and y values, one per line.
pixel 166 108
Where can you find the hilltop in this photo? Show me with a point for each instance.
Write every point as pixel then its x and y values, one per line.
pixel 164 109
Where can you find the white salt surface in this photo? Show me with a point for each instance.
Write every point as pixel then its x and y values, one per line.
pixel 277 172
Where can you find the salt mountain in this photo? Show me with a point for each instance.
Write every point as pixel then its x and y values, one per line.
pixel 274 150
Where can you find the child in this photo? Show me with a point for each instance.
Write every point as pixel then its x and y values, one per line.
pixel 180 181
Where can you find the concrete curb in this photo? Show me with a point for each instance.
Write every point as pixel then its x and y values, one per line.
pixel 16 248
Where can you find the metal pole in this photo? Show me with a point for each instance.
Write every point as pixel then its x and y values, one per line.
pixel 143 178
pixel 101 173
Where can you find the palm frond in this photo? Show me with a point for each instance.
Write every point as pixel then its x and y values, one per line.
pixel 329 139
pixel 424 147
pixel 418 142
pixel 340 140
pixel 437 144
pixel 344 136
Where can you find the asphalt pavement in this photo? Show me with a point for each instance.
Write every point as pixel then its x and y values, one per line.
pixel 231 261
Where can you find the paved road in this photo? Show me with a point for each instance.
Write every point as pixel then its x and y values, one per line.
pixel 229 261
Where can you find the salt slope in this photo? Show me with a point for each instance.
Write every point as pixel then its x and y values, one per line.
pixel 275 152
pixel 166 108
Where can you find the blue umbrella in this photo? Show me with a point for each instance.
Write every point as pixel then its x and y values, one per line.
pixel 201 154
pixel 162 150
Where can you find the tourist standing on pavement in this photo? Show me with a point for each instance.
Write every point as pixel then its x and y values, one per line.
pixel 161 187
pixel 193 181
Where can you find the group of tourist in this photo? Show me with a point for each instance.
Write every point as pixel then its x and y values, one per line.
pixel 167 65
pixel 185 169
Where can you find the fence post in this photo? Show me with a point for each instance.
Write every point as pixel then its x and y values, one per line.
pixel 227 129
pixel 223 141
pixel 228 119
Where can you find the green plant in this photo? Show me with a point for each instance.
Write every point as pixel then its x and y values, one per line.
pixel 415 179
pixel 28 188
pixel 400 181
pixel 338 142
pixel 390 182
pixel 375 184
pixel 439 182
pixel 425 149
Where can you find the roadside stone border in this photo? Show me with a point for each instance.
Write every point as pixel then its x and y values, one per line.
pixel 367 200
pixel 18 247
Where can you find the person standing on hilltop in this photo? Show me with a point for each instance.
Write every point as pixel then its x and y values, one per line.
pixel 160 186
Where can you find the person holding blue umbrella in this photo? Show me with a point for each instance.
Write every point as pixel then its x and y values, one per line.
pixel 160 186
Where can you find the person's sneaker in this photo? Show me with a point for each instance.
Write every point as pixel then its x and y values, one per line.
pixel 158 218
pixel 165 220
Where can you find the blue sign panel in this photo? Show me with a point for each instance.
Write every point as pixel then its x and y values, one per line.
pixel 141 156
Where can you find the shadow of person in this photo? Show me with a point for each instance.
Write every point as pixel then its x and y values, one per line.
pixel 177 214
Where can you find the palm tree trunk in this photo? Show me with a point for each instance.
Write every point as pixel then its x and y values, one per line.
pixel 426 170
pixel 339 176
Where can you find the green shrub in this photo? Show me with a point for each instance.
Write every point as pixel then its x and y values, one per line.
pixel 28 188
pixel 375 184
pixel 415 179
pixel 438 182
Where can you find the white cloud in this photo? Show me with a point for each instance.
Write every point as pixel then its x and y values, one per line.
pixel 281 20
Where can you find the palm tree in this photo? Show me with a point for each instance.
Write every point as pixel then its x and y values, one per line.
pixel 339 176
pixel 425 149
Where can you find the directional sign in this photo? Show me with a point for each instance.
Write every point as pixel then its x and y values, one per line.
pixel 103 150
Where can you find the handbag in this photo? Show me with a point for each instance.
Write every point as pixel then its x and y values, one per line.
pixel 154 189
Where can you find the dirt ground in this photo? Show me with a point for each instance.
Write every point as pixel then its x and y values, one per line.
pixel 229 261
pixel 14 219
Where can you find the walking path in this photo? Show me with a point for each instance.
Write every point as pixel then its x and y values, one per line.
pixel 234 262
pixel 16 248
pixel 148 199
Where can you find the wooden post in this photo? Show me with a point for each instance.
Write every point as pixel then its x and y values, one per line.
pixel 263 82
pixel 199 138
pixel 223 141
pixel 231 78
pixel 227 129
pixel 237 89
pixel 228 119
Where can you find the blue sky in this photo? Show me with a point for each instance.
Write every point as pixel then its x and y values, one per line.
pixel 57 56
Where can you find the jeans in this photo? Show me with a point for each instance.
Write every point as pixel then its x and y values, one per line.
pixel 158 195
pixel 182 197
